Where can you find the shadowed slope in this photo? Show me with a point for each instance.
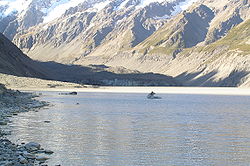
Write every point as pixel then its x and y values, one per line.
pixel 14 62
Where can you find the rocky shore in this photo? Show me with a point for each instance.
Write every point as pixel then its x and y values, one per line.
pixel 27 154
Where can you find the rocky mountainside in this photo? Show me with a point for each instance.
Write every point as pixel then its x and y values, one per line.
pixel 201 24
pixel 19 15
pixel 91 25
pixel 14 62
pixel 225 62
pixel 191 40
pixel 207 45
pixel 183 48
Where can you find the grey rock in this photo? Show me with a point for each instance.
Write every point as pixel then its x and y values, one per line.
pixel 8 163
pixel 48 152
pixel 3 123
pixel 41 158
pixel 32 146
pixel 12 154
pixel 23 160
pixel 29 155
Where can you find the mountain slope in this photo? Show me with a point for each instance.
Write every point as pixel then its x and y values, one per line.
pixel 225 62
pixel 14 62
pixel 82 34
pixel 200 25
pixel 185 31
pixel 194 42
pixel 83 30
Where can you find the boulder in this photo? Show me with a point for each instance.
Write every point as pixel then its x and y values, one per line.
pixel 32 146
pixel 48 152
pixel 29 156
pixel 3 123
pixel 2 88
pixel 41 158
pixel 23 160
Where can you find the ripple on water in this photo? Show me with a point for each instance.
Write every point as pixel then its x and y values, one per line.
pixel 127 129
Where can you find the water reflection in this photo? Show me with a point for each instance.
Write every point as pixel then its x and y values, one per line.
pixel 127 129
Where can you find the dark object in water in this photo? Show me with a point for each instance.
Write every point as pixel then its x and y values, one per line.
pixel 70 93
pixel 152 96
pixel 73 93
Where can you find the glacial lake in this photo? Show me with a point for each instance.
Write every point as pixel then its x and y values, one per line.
pixel 125 129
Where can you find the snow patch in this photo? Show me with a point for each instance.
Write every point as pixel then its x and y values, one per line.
pixel 178 9
pixel 15 5
pixel 101 5
pixel 162 17
pixel 182 6
pixel 45 27
pixel 2 3
pixel 122 5
pixel 145 3
pixel 89 27
pixel 186 4
pixel 58 8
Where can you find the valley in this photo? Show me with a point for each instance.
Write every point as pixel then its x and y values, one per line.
pixel 124 43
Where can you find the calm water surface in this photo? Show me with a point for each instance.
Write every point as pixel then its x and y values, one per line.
pixel 129 130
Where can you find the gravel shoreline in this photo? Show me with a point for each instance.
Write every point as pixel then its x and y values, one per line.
pixel 11 104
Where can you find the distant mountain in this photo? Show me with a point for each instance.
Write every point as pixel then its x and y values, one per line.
pixel 19 15
pixel 14 62
pixel 180 38
pixel 207 45
pixel 225 62
pixel 88 25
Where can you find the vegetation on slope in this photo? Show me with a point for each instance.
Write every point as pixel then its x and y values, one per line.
pixel 237 40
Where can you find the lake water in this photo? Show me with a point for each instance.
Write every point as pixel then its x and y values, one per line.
pixel 113 129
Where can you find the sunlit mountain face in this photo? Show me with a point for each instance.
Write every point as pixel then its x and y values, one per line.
pixel 19 15
pixel 51 9
pixel 170 37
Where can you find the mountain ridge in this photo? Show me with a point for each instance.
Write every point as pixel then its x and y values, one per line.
pixel 14 62
pixel 149 39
